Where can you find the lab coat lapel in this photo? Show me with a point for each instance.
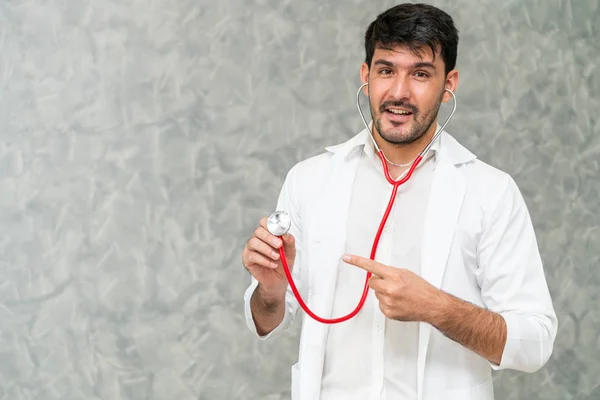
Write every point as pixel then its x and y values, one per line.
pixel 328 230
pixel 445 203
pixel 328 239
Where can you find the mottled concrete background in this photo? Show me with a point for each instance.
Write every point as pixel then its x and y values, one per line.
pixel 141 141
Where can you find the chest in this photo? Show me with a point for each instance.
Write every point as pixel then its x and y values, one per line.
pixel 345 218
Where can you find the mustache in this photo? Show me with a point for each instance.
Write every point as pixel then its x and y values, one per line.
pixel 398 104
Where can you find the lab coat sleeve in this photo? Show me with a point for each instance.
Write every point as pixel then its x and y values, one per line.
pixel 513 283
pixel 287 202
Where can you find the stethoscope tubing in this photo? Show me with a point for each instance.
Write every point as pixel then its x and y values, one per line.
pixel 396 184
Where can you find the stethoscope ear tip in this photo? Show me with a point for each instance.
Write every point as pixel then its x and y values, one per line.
pixel 279 223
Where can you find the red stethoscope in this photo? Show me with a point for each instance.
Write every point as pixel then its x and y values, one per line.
pixel 279 222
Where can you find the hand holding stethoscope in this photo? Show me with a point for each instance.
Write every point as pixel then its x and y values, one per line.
pixel 262 257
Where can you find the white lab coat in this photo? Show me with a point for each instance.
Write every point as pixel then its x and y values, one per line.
pixel 478 244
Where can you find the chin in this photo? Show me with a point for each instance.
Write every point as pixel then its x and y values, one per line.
pixel 398 140
pixel 400 133
pixel 403 137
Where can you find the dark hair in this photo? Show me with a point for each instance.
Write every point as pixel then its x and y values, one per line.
pixel 413 25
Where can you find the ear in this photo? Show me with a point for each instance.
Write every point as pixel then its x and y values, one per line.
pixel 364 77
pixel 451 84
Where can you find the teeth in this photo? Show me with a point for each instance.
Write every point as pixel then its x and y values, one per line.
pixel 399 112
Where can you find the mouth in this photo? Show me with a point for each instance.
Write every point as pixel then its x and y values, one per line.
pixel 398 114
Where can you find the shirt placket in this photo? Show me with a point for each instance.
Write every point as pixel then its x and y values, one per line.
pixel 383 256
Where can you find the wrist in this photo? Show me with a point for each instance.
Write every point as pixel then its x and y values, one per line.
pixel 439 309
pixel 272 294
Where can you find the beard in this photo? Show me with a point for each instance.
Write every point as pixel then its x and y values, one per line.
pixel 402 135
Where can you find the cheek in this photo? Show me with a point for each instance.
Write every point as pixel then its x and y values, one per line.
pixel 377 94
pixel 422 96
pixel 427 96
pixel 425 107
pixel 375 101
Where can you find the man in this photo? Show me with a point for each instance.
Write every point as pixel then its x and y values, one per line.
pixel 458 287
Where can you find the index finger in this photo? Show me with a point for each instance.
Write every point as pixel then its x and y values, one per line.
pixel 263 234
pixel 368 265
pixel 263 222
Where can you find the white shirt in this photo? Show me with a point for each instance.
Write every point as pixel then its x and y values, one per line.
pixel 371 356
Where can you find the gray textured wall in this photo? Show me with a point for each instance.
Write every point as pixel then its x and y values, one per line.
pixel 141 141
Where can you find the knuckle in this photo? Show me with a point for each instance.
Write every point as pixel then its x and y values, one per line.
pixel 252 258
pixel 384 309
pixel 254 243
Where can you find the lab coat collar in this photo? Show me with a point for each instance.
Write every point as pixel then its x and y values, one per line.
pixel 457 153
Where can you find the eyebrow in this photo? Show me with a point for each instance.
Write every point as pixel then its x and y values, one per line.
pixel 421 64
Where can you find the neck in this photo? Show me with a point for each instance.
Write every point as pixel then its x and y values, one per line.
pixel 404 153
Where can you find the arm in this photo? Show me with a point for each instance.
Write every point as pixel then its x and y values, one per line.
pixel 513 283
pixel 517 328
pixel 268 310
pixel 478 329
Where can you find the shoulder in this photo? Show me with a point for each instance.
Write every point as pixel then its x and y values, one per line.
pixel 314 169
pixel 307 174
pixel 488 184
pixel 477 172
pixel 493 190
pixel 485 176
pixel 313 164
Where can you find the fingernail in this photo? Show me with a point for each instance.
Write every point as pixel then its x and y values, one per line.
pixel 274 255
pixel 346 257
pixel 275 242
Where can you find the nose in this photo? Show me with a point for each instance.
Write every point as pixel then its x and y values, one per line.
pixel 400 89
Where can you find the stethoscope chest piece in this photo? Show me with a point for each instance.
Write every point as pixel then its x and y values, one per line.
pixel 279 223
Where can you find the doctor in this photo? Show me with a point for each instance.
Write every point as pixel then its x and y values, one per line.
pixel 458 286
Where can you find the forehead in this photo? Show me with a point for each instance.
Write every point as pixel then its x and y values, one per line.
pixel 403 54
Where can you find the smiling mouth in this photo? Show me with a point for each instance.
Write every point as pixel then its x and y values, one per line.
pixel 398 112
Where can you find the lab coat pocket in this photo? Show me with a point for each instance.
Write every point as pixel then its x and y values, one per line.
pixel 295 382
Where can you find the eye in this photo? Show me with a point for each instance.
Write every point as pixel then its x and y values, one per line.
pixel 421 74
pixel 385 71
